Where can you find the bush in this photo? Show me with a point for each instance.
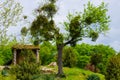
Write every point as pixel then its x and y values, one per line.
pixel 47 53
pixel 69 57
pixel 84 49
pixel 5 54
pixel 93 77
pixel 1 59
pixel 106 52
pixel 83 61
pixel 46 56
pixel 102 67
pixel 113 68
pixel 27 69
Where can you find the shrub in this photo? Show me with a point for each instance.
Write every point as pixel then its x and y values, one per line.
pixel 46 56
pixel 5 54
pixel 102 67
pixel 1 59
pixel 113 68
pixel 93 77
pixel 106 52
pixel 69 57
pixel 27 69
pixel 83 61
pixel 47 53
pixel 84 49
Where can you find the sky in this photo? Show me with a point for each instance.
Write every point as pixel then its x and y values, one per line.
pixel 65 6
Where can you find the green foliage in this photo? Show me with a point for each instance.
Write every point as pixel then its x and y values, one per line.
pixel 113 68
pixel 44 25
pixel 84 49
pixel 50 9
pixel 74 26
pixel 90 23
pixel 59 39
pixel 6 53
pixel 93 14
pixel 88 50
pixel 106 52
pixel 96 59
pixel 1 59
pixel 94 35
pixel 83 61
pixel 96 20
pixel 47 53
pixel 24 31
pixel 69 57
pixel 93 77
pixel 28 68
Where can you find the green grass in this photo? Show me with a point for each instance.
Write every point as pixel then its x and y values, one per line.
pixel 71 74
pixel 10 77
pixel 79 74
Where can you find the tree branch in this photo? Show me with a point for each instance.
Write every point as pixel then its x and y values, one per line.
pixel 71 41
pixel 68 42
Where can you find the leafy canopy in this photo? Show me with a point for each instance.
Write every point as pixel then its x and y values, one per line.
pixel 43 27
pixel 88 24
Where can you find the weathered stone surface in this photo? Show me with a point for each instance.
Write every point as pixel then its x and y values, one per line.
pixel 53 64
pixel 48 70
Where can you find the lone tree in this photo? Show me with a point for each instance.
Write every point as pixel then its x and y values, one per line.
pixel 88 24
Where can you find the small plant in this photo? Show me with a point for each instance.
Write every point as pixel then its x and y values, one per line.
pixel 93 77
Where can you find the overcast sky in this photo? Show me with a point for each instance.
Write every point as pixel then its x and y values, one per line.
pixel 112 38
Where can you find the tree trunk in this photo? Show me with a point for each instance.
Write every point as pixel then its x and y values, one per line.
pixel 59 59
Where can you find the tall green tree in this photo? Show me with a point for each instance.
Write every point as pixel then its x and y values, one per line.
pixel 10 11
pixel 88 24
